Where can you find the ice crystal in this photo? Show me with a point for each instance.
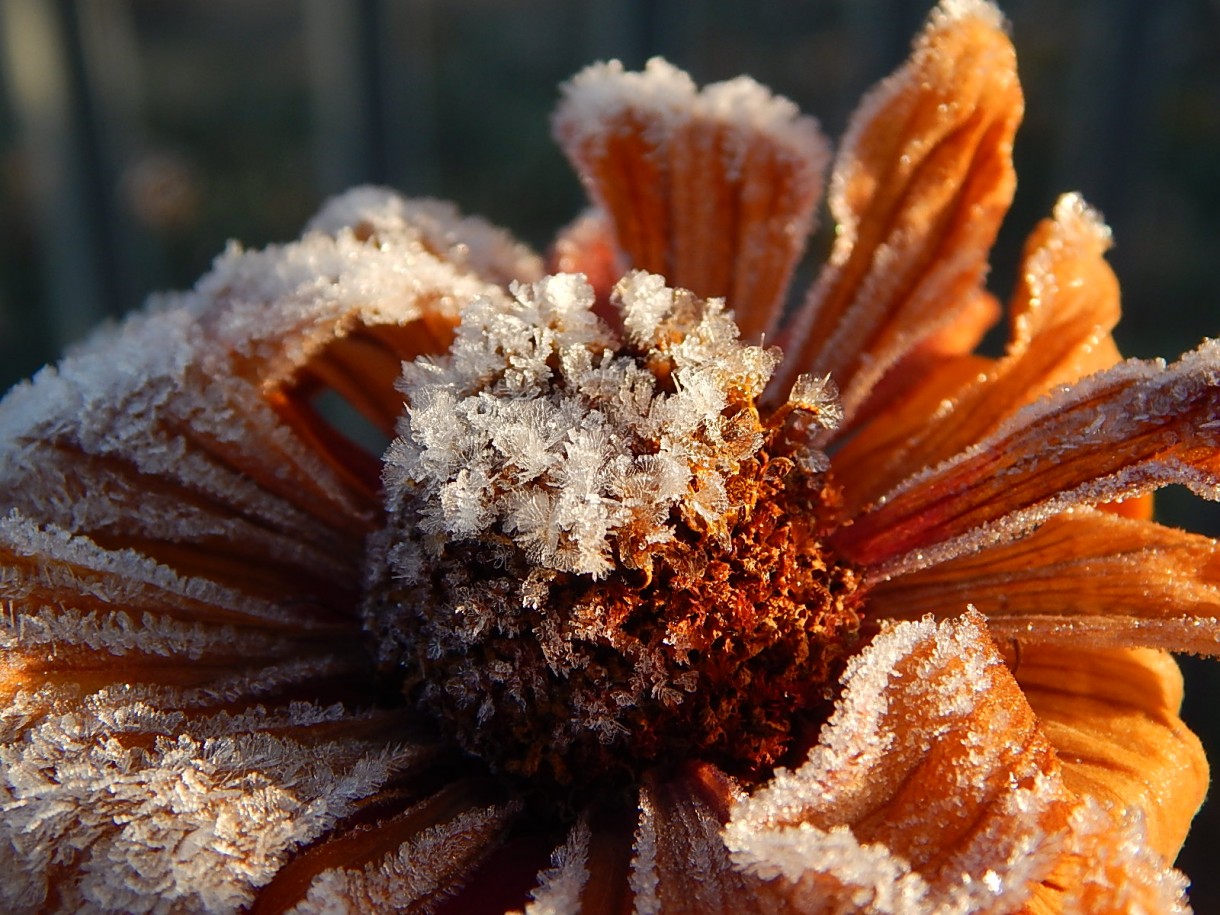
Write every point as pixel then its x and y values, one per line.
pixel 536 428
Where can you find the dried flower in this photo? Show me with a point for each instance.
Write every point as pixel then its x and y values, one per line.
pixel 633 613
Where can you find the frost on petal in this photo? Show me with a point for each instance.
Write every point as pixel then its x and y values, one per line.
pixel 471 244
pixel 1085 578
pixel 435 846
pixel 714 189
pixel 114 805
pixel 1111 869
pixel 930 788
pixel 189 431
pixel 1062 312
pixel 559 888
pixel 1114 435
pixel 82 617
pixel 921 183
pixel 681 862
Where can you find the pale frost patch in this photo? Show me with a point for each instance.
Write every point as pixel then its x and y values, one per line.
pixel 154 810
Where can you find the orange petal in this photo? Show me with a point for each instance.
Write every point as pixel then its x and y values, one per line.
pixel 918 368
pixel 1112 716
pixel 681 863
pixel 931 783
pixel 118 798
pixel 715 190
pixel 1087 578
pixel 1062 312
pixel 191 433
pixel 919 189
pixel 1117 434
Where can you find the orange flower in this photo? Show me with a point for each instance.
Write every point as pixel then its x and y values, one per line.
pixel 632 613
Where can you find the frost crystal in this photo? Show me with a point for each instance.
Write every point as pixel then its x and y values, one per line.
pixel 539 428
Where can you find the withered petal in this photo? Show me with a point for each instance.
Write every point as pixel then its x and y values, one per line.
pixel 714 189
pixel 921 183
pixel 931 785
pixel 1061 314
pixel 1083 578
pixel 1117 434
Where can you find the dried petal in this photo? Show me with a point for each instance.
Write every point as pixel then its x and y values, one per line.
pixel 931 787
pixel 1117 434
pixel 1112 717
pixel 714 189
pixel 1086 577
pixel 1062 313
pixel 922 180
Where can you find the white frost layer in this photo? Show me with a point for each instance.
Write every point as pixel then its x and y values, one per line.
pixel 535 428
pixel 154 811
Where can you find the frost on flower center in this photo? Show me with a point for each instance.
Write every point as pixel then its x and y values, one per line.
pixel 598 554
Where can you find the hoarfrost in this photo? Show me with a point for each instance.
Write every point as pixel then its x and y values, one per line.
pixel 535 428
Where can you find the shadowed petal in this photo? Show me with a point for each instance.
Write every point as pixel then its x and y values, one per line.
pixel 410 861
pixel 1112 717
pixel 1062 312
pixel 1117 434
pixel 681 863
pixel 714 189
pixel 918 191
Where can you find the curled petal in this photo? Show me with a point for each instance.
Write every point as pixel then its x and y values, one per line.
pixel 1112 716
pixel 714 189
pixel 1117 434
pixel 920 185
pixel 190 432
pixel 1062 312
pixel 931 787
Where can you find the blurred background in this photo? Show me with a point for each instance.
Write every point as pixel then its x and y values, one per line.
pixel 137 136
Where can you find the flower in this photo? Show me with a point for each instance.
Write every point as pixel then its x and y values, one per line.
pixel 633 611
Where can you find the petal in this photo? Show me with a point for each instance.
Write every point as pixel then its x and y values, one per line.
pixel 80 618
pixel 715 190
pixel 681 863
pixel 918 191
pixel 931 786
pixel 113 801
pixel 410 861
pixel 588 246
pixel 1112 716
pixel 1116 434
pixel 1086 578
pixel 190 432
pixel 1062 312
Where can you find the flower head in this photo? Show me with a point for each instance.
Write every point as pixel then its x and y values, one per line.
pixel 637 610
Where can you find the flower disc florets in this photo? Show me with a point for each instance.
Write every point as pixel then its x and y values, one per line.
pixel 597 552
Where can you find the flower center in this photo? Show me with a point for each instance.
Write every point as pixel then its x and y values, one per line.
pixel 598 554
